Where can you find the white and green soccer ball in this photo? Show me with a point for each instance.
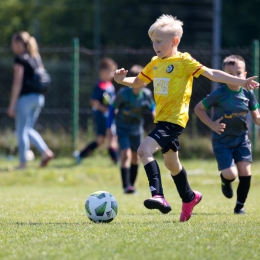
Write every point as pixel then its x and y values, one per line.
pixel 101 206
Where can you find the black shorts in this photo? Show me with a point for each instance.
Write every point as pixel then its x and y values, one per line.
pixel 166 135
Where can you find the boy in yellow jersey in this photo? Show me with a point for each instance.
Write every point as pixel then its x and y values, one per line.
pixel 172 74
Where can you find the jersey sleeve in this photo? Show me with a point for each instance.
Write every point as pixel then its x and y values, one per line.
pixel 253 104
pixel 191 66
pixel 146 74
pixel 211 100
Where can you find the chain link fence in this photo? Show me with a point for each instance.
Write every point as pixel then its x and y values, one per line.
pixel 56 115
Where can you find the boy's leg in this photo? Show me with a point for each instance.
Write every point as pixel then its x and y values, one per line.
pixel 189 197
pixel 227 176
pixel 146 150
pixel 125 158
pixel 133 168
pixel 225 160
pixel 178 173
pixel 135 141
pixel 99 121
pixel 89 148
pixel 244 171
pixel 113 149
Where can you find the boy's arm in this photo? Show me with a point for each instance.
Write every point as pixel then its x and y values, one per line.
pixel 133 82
pixel 223 77
pixel 98 106
pixel 255 116
pixel 216 126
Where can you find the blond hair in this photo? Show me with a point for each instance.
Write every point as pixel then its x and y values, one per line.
pixel 29 42
pixel 232 60
pixel 168 25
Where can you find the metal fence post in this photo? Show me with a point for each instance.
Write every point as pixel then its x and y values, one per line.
pixel 75 92
pixel 255 72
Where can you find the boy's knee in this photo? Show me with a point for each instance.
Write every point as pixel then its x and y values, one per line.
pixel 134 158
pixel 174 168
pixel 229 174
pixel 125 155
pixel 141 151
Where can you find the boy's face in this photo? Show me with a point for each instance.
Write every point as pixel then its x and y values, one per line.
pixel 237 70
pixel 106 74
pixel 163 44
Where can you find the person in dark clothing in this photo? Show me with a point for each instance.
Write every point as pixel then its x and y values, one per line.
pixel 26 104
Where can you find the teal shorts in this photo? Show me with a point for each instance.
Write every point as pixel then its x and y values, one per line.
pixel 229 153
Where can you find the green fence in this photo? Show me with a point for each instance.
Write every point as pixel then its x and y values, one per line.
pixel 60 113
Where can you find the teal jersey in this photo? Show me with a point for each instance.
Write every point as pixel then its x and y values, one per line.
pixel 233 106
pixel 131 108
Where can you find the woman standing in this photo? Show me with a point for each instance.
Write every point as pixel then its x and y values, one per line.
pixel 26 104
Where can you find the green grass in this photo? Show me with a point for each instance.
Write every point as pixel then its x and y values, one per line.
pixel 42 215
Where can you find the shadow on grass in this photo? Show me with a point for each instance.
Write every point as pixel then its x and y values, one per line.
pixel 6 169
pixel 50 223
pixel 88 223
pixel 209 214
pixel 53 165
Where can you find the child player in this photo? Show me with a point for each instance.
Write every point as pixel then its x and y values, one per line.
pixel 100 100
pixel 230 141
pixel 172 74
pixel 130 105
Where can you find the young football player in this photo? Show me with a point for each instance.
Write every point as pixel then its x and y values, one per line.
pixel 230 140
pixel 172 74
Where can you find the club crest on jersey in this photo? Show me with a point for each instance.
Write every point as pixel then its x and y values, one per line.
pixel 170 68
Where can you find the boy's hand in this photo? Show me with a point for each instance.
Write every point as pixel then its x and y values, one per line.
pixel 251 84
pixel 120 75
pixel 217 126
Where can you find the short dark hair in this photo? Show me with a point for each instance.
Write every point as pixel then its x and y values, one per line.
pixel 107 63
pixel 232 60
pixel 135 70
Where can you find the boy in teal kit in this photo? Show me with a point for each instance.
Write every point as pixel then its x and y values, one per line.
pixel 172 74
pixel 230 140
pixel 128 108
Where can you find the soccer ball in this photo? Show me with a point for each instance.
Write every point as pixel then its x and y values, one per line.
pixel 101 206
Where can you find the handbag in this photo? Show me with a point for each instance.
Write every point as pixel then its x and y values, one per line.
pixel 41 80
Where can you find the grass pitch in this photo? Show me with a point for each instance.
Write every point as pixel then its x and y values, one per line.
pixel 42 215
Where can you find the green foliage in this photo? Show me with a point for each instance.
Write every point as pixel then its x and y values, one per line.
pixel 42 216
pixel 122 22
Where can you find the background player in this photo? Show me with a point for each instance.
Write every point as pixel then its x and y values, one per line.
pixel 230 140
pixel 172 74
pixel 100 100
pixel 130 106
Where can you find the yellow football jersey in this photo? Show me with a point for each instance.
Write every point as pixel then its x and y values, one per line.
pixel 172 80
